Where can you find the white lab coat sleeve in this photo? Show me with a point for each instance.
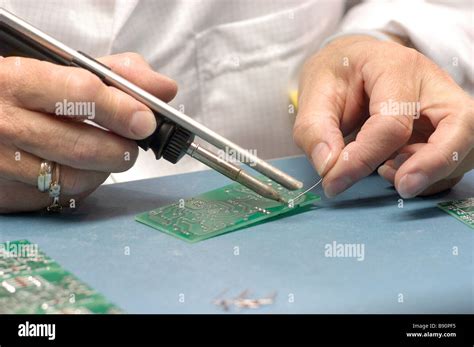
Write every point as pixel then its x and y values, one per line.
pixel 441 30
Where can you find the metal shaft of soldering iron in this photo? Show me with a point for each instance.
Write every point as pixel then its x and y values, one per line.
pixel 233 172
pixel 72 56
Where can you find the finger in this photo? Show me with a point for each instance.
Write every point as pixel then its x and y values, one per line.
pixel 388 173
pixel 78 145
pixel 385 131
pixel 19 197
pixel 390 167
pixel 133 67
pixel 317 125
pixel 441 186
pixel 72 92
pixel 19 166
pixel 438 159
pixel 378 139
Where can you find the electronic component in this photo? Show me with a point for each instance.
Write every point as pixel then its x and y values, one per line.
pixel 242 301
pixel 31 282
pixel 462 210
pixel 222 210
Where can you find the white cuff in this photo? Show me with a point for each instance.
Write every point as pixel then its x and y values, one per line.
pixel 440 30
pixel 374 33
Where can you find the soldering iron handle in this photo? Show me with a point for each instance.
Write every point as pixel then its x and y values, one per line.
pixel 157 141
pixel 169 140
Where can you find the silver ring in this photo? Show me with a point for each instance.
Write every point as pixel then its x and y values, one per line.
pixel 55 190
pixel 45 176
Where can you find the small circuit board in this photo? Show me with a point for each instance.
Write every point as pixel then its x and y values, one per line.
pixel 222 210
pixel 33 283
pixel 462 210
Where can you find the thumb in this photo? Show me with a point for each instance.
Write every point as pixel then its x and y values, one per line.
pixel 317 126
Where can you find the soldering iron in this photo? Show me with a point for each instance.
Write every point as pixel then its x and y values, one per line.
pixel 175 132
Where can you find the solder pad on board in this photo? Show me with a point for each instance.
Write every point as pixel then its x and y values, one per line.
pixel 220 211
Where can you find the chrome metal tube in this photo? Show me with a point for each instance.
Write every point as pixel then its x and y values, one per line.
pixel 113 79
pixel 233 172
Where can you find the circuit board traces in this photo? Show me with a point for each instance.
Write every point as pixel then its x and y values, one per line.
pixel 222 210
pixel 33 283
pixel 462 210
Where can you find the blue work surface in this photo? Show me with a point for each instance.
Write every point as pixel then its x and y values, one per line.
pixel 408 251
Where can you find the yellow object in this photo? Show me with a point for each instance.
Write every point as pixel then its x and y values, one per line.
pixel 294 98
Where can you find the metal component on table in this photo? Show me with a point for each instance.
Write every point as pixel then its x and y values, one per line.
pixel 242 301
pixel 62 54
pixel 222 302
pixel 233 172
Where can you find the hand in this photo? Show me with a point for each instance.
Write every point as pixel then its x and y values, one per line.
pixel 31 130
pixel 413 118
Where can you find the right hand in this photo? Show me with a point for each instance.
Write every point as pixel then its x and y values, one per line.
pixel 345 88
pixel 31 132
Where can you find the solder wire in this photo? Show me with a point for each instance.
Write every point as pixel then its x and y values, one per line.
pixel 307 190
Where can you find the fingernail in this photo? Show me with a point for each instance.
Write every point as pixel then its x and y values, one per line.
pixel 143 123
pixel 320 156
pixel 386 171
pixel 400 159
pixel 412 184
pixel 337 186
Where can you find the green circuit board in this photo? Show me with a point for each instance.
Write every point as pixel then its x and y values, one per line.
pixel 33 283
pixel 222 210
pixel 462 210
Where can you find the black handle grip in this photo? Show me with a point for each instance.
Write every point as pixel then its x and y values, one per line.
pixel 169 140
pixel 160 138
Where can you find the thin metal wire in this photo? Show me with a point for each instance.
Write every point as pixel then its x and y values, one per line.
pixel 307 190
